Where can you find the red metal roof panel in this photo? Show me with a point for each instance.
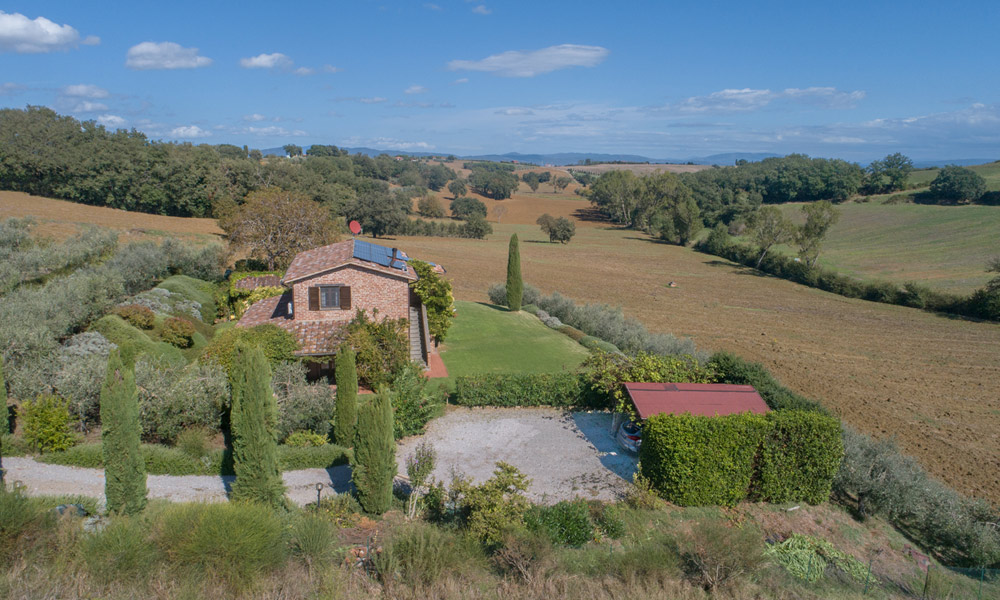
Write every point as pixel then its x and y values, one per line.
pixel 705 399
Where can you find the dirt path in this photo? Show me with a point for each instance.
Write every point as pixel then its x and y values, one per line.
pixel 42 479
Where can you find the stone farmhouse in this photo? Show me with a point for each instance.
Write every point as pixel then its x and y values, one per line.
pixel 326 288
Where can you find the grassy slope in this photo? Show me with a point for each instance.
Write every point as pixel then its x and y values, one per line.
pixel 488 339
pixel 990 172
pixel 945 247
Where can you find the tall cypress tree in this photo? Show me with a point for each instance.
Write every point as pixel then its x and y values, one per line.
pixel 254 419
pixel 124 467
pixel 346 423
pixel 375 454
pixel 515 286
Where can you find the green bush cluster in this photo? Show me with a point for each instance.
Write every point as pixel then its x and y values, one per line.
pixel 909 294
pixel 26 259
pixel 278 345
pixel 380 345
pixel 305 439
pixel 45 423
pixel 137 315
pixel 604 375
pixel 175 396
pixel 232 301
pixel 778 457
pixel 472 226
pixel 730 368
pixel 302 406
pixel 519 389
pixel 564 523
pixel 178 332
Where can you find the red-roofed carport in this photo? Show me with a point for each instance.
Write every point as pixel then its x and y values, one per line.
pixel 705 399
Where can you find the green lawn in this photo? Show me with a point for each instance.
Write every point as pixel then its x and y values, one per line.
pixel 945 247
pixel 490 339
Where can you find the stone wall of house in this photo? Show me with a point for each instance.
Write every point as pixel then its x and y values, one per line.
pixel 369 290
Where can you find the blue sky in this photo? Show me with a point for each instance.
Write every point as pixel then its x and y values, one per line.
pixel 855 80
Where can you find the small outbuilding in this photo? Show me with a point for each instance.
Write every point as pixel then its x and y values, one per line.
pixel 704 399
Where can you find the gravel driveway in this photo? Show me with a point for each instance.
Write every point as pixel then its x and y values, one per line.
pixel 565 454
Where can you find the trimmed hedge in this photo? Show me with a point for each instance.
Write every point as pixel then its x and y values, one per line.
pixel 700 461
pixel 166 460
pixel 509 389
pixel 799 458
pixel 783 456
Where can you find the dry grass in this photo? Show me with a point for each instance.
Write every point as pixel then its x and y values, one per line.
pixel 60 219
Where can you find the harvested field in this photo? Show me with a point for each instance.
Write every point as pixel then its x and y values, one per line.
pixel 642 169
pixel 60 219
pixel 929 381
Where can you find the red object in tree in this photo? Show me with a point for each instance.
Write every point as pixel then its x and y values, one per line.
pixel 355 227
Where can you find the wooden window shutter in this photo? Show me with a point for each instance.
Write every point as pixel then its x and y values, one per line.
pixel 345 297
pixel 313 298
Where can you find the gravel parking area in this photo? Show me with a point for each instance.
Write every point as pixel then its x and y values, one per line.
pixel 565 454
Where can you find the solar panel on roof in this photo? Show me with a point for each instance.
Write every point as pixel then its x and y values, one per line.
pixel 379 255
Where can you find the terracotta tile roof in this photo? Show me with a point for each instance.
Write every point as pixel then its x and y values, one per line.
pixel 326 258
pixel 314 337
pixel 706 399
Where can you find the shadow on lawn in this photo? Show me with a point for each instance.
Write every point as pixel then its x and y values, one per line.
pixel 596 428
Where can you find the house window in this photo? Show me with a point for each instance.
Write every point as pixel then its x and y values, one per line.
pixel 329 297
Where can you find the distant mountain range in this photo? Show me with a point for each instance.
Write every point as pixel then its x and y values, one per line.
pixel 574 158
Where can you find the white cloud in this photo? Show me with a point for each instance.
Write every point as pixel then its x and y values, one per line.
pixel 416 89
pixel 481 10
pixel 516 63
pixel 20 34
pixel 394 144
pixel 256 117
pixel 85 90
pixel 9 89
pixel 514 112
pixel 189 131
pixel 276 60
pixel 164 55
pixel 460 81
pixel 431 6
pixel 111 121
pixel 275 131
pixel 748 99
pixel 87 106
pixel 331 69
pixel 303 71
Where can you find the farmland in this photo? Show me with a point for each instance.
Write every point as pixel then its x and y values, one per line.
pixel 945 247
pixel 927 380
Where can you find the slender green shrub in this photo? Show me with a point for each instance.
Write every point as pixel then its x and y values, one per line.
pixel 177 331
pixel 346 423
pixel 313 539
pixel 515 285
pixel 375 453
pixel 799 457
pixel 698 461
pixel 254 423
pixel 45 423
pixel 124 468
pixel 519 389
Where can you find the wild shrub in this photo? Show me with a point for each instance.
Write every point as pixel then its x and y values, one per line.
pixel 177 331
pixel 121 551
pixel 522 553
pixel 301 405
pixel 609 520
pixel 425 552
pixel 137 315
pixel 277 344
pixel 253 416
pixel 419 467
pixel 305 439
pixel 343 510
pixel 235 541
pixel 497 294
pixel 77 373
pixel 413 403
pixel 18 514
pixel 716 554
pixel 375 453
pixel 605 374
pixel 123 335
pixel 494 505
pixel 45 423
pixel 173 397
pixel 380 345
pixel 313 539
pixel 565 523
pixel 194 441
